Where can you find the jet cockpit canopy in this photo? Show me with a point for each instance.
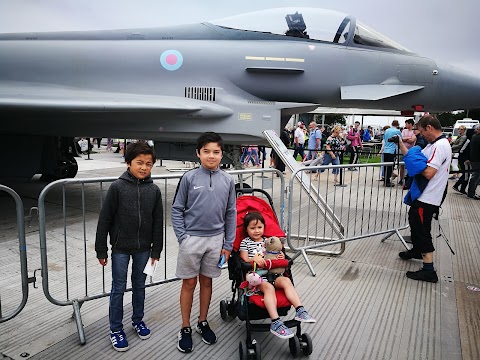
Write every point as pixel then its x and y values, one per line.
pixel 309 23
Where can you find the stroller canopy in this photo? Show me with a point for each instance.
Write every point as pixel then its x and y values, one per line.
pixel 250 203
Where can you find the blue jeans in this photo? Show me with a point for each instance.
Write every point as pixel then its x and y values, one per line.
pixel 119 284
pixel 245 155
pixel 327 159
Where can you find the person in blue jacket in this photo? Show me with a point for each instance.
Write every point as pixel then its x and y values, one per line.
pixel 437 156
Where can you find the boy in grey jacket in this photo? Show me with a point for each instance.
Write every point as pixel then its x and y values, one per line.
pixel 132 214
pixel 204 221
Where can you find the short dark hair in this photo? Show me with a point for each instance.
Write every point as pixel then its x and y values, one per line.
pixel 138 148
pixel 395 123
pixel 410 121
pixel 429 120
pixel 209 137
pixel 251 216
pixel 357 122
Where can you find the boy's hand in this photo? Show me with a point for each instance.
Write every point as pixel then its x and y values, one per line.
pixel 281 256
pixel 226 253
pixel 153 261
pixel 103 262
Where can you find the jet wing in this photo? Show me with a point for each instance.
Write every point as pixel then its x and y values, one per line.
pixel 376 91
pixel 34 97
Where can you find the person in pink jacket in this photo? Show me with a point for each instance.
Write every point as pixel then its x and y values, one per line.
pixel 356 144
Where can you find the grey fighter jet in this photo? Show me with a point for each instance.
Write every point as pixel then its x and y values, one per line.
pixel 237 76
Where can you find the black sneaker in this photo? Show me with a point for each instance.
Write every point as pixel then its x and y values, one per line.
pixel 185 343
pixel 423 275
pixel 458 190
pixel 208 336
pixel 474 197
pixel 407 255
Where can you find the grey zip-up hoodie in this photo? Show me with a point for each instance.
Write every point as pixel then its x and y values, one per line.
pixel 132 213
pixel 205 205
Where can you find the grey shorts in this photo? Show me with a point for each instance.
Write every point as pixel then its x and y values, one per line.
pixel 199 255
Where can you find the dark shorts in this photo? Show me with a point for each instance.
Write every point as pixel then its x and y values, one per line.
pixel 420 218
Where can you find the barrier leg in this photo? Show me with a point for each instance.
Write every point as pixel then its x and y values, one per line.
pixel 399 236
pixel 78 320
pixel 387 236
pixel 309 264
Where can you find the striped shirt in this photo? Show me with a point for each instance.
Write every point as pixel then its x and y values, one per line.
pixel 253 247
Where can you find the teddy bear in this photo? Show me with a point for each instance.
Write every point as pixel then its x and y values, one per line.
pixel 274 246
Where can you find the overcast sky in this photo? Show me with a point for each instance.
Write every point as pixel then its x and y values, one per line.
pixel 440 29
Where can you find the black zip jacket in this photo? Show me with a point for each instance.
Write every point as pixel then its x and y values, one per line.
pixel 132 214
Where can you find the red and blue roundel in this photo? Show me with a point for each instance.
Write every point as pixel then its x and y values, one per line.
pixel 171 60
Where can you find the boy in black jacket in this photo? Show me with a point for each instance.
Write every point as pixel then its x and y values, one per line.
pixel 132 214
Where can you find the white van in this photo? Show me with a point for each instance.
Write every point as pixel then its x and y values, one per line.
pixel 467 122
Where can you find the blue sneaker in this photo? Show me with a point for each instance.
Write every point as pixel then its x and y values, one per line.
pixel 279 329
pixel 208 336
pixel 142 330
pixel 303 316
pixel 185 343
pixel 119 340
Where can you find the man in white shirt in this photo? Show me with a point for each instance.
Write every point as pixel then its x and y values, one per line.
pixel 439 154
pixel 299 141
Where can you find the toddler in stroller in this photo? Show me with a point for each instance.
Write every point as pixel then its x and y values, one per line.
pixel 256 220
pixel 252 249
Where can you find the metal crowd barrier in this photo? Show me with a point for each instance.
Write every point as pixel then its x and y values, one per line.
pixel 22 252
pixel 73 275
pixel 323 214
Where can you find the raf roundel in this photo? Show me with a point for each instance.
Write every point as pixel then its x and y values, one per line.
pixel 171 60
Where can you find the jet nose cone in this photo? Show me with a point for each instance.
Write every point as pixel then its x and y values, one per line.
pixel 457 89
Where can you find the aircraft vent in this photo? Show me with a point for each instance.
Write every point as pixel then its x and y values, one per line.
pixel 261 102
pixel 200 93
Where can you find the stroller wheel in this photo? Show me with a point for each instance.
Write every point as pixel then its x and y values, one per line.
pixel 258 351
pixel 294 345
pixel 242 350
pixel 231 308
pixel 306 344
pixel 223 309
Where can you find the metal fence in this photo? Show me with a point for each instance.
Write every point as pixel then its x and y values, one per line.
pixel 22 251
pixel 68 215
pixel 320 218
pixel 325 214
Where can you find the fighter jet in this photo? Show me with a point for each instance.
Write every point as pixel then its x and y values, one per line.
pixel 237 76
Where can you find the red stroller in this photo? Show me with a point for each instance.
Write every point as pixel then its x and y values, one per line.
pixel 252 307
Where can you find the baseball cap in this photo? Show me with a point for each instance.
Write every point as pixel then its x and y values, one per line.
pixel 476 127
pixel 300 123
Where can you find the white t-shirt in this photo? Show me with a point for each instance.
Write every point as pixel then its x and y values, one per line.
pixel 439 156
pixel 300 135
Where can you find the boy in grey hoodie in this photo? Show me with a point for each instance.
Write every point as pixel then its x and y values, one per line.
pixel 204 221
pixel 132 214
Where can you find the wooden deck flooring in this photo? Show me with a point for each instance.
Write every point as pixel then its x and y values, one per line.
pixel 364 305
